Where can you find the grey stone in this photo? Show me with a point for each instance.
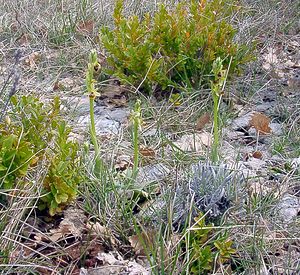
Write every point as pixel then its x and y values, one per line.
pixel 82 106
pixel 107 121
pixel 276 128
pixel 151 174
pixel 288 208
pixel 255 164
pixel 242 122
pixel 264 107
pixel 295 162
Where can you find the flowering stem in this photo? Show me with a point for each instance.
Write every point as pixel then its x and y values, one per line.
pixel 90 84
pixel 136 125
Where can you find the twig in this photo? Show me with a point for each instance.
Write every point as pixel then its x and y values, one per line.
pixel 14 77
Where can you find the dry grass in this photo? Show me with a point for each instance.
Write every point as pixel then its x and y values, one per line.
pixel 51 29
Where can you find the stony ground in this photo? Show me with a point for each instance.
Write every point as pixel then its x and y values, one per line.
pixel 260 140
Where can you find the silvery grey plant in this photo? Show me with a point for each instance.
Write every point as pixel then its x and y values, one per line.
pixel 207 188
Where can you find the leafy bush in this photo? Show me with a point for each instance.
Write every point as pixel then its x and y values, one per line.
pixel 208 249
pixel 173 47
pixel 32 136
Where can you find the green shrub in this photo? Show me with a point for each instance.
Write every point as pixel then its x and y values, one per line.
pixel 15 157
pixel 174 47
pixel 208 248
pixel 34 137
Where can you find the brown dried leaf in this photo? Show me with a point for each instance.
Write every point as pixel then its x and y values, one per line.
pixel 74 251
pixel 123 162
pixel 118 102
pixel 112 91
pixel 86 27
pixel 21 251
pixel 147 152
pixel 72 224
pixel 57 86
pixel 202 121
pixel 261 123
pixel 257 155
pixel 140 241
pixel 102 232
pixel 65 228
pixel 113 96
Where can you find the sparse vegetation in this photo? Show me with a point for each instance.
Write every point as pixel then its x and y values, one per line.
pixel 135 137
